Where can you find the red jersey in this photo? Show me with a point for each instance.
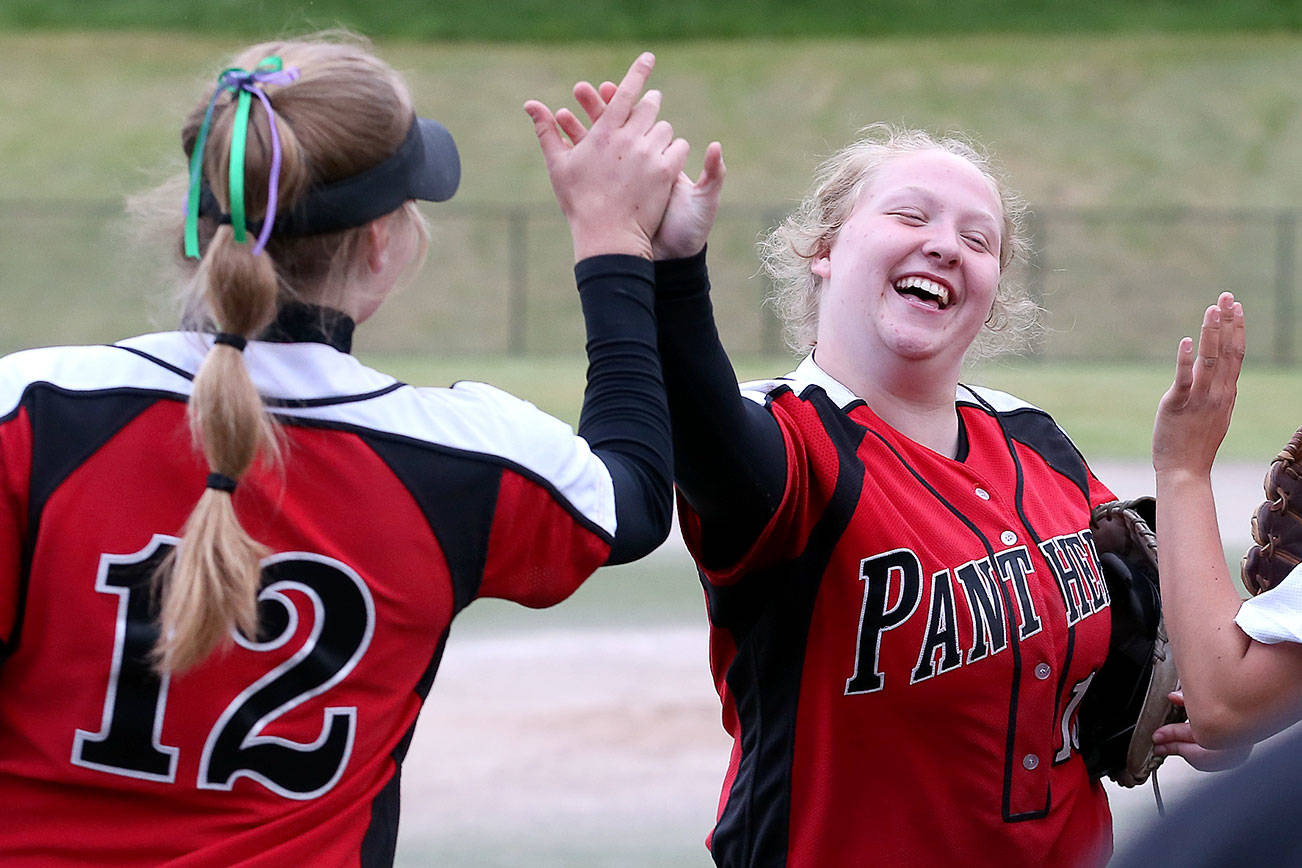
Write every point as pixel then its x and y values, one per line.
pixel 901 653
pixel 393 509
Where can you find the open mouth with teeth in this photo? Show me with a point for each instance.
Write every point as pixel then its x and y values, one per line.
pixel 924 289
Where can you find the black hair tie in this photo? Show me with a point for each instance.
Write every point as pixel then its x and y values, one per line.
pixel 239 342
pixel 221 482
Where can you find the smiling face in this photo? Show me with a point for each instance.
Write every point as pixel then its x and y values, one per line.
pixel 913 272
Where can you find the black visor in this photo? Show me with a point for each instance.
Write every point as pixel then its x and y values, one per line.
pixel 425 166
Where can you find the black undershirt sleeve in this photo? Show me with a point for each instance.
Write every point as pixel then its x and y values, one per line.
pixel 624 417
pixel 729 456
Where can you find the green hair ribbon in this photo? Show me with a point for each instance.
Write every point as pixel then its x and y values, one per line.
pixel 243 83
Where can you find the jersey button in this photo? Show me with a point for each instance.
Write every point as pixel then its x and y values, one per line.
pixel 1008 537
pixel 983 494
pixel 1042 671
pixel 1030 762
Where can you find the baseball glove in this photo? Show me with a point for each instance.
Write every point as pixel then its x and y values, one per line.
pixel 1127 699
pixel 1277 524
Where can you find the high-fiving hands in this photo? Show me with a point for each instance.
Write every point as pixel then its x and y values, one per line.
pixel 673 214
pixel 689 216
pixel 614 180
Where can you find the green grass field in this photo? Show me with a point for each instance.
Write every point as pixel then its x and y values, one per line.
pixel 1079 120
pixel 1157 164
pixel 1105 122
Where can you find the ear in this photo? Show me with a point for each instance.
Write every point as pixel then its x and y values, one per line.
pixel 821 265
pixel 377 244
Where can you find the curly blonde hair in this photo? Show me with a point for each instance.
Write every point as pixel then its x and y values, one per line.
pixel 789 249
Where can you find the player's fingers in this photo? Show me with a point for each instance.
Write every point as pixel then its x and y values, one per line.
pixel 677 153
pixel 1233 339
pixel 544 126
pixel 1240 329
pixel 1173 733
pixel 621 102
pixel 607 90
pixel 592 102
pixel 1222 374
pixel 660 136
pixel 713 170
pixel 643 117
pixel 1184 368
pixel 1209 341
pixel 571 125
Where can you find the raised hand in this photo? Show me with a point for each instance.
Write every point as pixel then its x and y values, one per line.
pixel 1194 414
pixel 689 215
pixel 613 181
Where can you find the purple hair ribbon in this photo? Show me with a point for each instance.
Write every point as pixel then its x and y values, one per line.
pixel 244 83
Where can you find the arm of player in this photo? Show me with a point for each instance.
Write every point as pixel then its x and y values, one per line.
pixel 1235 688
pixel 730 459
pixel 729 456
pixel 612 186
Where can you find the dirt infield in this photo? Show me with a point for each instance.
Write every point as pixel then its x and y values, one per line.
pixel 599 746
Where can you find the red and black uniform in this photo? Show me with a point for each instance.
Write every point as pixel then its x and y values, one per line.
pixel 899 639
pixel 393 508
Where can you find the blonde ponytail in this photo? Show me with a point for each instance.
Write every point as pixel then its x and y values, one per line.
pixel 342 112
pixel 213 580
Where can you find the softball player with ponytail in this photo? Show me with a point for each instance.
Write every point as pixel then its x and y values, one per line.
pixel 230 554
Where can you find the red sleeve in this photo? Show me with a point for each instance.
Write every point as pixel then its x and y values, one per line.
pixel 539 552
pixel 15 475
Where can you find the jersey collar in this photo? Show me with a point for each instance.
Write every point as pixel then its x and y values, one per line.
pixel 808 371
pixel 298 322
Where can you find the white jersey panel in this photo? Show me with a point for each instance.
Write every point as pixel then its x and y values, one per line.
pixel 808 373
pixel 477 417
pixel 1001 401
pixel 1276 615
pixel 315 381
pixel 81 369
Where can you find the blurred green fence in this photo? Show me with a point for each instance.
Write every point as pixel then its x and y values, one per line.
pixel 1116 284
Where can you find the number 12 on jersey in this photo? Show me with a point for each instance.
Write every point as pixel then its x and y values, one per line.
pixel 130 739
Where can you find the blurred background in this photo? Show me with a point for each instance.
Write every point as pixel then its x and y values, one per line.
pixel 1157 143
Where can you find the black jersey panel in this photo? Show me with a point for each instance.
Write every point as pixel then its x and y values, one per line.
pixel 381 840
pixel 458 495
pixel 771 630
pixel 67 428
pixel 380 843
pixel 486 459
pixel 1036 430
